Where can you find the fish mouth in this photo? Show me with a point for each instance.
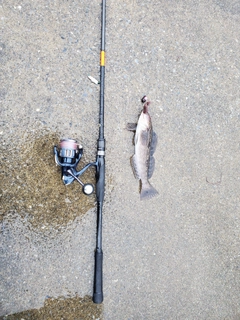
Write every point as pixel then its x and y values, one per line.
pixel 145 107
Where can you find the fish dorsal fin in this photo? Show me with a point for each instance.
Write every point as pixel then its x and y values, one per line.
pixel 153 143
pixel 151 166
pixel 134 167
pixel 131 126
pixel 151 161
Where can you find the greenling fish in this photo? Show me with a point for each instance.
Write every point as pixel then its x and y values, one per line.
pixel 145 141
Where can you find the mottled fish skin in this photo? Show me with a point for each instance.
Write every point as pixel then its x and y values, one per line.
pixel 143 161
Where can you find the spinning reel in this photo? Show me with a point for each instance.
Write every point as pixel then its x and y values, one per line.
pixel 67 156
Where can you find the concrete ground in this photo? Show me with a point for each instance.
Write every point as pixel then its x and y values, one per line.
pixel 175 256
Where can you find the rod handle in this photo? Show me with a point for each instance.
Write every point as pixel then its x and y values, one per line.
pixel 98 287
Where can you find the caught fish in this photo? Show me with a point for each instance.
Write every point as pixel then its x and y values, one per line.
pixel 145 141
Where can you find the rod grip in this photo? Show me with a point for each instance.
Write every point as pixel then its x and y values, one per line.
pixel 98 287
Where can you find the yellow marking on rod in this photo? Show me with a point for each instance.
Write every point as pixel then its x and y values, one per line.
pixel 102 58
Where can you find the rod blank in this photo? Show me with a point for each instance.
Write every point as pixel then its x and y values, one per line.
pixel 100 172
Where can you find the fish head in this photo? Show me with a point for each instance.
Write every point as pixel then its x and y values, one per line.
pixel 145 107
pixel 144 121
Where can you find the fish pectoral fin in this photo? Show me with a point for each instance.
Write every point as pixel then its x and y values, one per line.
pixel 134 167
pixel 131 126
pixel 151 166
pixel 153 143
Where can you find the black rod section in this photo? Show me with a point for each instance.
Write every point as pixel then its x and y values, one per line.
pixel 100 172
pixel 103 22
pixel 102 71
pixel 101 111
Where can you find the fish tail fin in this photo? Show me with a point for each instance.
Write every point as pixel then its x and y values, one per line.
pixel 147 191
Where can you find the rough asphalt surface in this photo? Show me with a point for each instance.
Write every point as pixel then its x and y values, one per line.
pixel 175 256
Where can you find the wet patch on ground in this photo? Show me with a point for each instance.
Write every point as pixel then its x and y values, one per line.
pixel 62 308
pixel 31 183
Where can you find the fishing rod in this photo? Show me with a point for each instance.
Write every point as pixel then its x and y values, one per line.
pixel 68 155
pixel 100 172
